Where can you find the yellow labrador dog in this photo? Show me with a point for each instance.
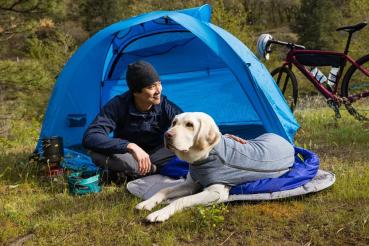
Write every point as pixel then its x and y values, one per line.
pixel 216 163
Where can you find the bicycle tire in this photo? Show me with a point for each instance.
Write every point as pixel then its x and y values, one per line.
pixel 355 82
pixel 289 88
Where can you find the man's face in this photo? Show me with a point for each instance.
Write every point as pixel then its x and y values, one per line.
pixel 150 94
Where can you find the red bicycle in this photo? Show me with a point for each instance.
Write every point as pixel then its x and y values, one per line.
pixel 354 92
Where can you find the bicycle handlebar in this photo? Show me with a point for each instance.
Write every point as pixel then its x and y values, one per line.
pixel 288 44
pixel 265 41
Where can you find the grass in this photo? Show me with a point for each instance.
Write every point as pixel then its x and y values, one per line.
pixel 39 211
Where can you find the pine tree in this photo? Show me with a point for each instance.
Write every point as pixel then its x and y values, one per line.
pixel 316 23
pixel 97 14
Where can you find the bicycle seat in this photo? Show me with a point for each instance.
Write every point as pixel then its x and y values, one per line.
pixel 354 28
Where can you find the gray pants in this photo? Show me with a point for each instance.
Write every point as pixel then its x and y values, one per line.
pixel 127 164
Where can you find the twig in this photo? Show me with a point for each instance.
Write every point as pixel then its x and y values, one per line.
pixel 227 238
pixel 21 240
pixel 7 38
pixel 13 7
pixel 339 230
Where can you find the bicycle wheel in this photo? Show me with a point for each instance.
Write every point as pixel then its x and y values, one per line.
pixel 356 82
pixel 287 83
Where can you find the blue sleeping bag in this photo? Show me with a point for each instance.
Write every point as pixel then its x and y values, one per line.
pixel 303 170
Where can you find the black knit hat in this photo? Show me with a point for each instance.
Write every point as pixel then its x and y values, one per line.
pixel 139 75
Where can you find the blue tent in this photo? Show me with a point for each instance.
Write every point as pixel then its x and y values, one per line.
pixel 202 68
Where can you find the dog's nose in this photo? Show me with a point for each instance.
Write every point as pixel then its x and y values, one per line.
pixel 169 135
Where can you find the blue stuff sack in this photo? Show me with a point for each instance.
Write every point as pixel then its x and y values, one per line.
pixel 77 161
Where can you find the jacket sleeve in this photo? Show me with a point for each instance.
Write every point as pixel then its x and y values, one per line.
pixel 97 137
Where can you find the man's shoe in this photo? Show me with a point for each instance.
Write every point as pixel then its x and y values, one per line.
pixel 108 176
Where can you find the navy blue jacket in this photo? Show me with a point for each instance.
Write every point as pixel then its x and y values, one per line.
pixel 120 116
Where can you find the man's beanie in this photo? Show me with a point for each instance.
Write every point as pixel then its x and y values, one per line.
pixel 139 75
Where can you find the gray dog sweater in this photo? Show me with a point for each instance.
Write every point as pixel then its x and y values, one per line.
pixel 233 163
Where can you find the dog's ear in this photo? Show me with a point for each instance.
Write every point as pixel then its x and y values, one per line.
pixel 207 135
pixel 213 134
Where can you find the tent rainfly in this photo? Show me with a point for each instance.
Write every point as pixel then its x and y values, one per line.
pixel 202 68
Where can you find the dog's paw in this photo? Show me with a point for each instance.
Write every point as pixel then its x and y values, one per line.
pixel 159 216
pixel 147 205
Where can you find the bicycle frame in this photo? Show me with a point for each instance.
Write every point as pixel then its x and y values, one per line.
pixel 291 60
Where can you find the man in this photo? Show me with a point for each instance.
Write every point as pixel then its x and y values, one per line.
pixel 138 119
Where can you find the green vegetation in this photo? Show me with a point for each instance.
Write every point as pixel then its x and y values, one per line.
pixel 37 38
pixel 44 210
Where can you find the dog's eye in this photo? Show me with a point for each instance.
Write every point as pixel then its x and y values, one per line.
pixel 174 123
pixel 189 124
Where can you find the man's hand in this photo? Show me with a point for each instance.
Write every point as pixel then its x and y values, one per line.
pixel 143 159
pixel 238 139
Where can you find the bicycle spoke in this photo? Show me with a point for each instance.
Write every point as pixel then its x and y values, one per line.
pixel 285 84
pixel 356 88
pixel 279 77
pixel 286 81
pixel 361 86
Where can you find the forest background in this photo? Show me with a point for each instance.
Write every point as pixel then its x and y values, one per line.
pixel 38 37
